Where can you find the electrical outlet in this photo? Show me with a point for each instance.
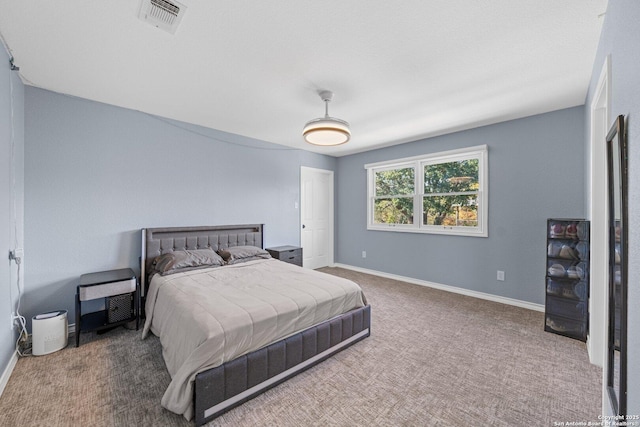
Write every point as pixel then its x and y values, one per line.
pixel 14 322
pixel 501 275
pixel 364 254
pixel 16 255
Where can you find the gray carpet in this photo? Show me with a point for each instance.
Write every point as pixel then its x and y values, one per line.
pixel 434 359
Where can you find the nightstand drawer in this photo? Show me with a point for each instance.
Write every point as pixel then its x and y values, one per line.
pixel 90 292
pixel 292 257
pixel 290 254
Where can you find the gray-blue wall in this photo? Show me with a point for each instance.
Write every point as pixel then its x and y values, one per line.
pixel 96 174
pixel 535 172
pixel 11 196
pixel 620 38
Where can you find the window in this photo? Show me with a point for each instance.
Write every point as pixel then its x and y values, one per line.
pixel 442 193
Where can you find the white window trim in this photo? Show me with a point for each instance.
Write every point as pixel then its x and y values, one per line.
pixel 418 162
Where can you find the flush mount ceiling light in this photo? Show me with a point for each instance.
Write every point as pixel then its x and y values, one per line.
pixel 327 130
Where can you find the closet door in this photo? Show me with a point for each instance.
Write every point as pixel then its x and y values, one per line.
pixel 316 215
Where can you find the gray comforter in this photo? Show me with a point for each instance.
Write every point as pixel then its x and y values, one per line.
pixel 207 317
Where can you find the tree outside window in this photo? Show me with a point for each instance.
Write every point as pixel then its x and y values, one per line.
pixel 442 193
pixel 451 193
pixel 394 191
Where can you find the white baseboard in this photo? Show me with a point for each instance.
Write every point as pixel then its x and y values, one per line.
pixel 8 371
pixel 448 288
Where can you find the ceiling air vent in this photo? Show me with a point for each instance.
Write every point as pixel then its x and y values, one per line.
pixel 162 14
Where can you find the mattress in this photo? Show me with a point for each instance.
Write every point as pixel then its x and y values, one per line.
pixel 207 317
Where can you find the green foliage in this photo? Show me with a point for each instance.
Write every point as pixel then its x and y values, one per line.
pixel 394 210
pixel 440 207
pixel 395 182
pixel 451 177
pixel 451 210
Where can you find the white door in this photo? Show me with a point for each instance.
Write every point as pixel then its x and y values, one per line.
pixel 316 214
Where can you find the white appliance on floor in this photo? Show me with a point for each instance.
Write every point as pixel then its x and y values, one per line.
pixel 49 332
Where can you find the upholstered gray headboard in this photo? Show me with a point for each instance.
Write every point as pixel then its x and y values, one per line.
pixel 158 241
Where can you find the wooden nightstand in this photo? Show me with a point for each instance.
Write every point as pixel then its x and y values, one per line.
pixel 290 254
pixel 121 293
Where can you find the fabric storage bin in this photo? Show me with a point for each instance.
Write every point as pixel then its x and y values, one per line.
pixel 573 328
pixel 565 307
pixel 567 289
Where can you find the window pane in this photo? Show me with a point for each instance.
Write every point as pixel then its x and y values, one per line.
pixel 451 177
pixel 454 211
pixel 439 193
pixel 395 182
pixel 397 210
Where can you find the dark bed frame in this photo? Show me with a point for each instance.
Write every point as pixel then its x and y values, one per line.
pixel 218 390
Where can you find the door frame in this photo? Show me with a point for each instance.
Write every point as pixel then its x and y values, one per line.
pixel 331 227
pixel 597 201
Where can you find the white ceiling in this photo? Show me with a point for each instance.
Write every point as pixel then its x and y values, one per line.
pixel 400 70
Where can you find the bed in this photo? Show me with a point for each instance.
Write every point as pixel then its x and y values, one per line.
pixel 197 311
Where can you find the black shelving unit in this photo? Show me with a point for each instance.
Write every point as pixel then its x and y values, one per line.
pixel 567 278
